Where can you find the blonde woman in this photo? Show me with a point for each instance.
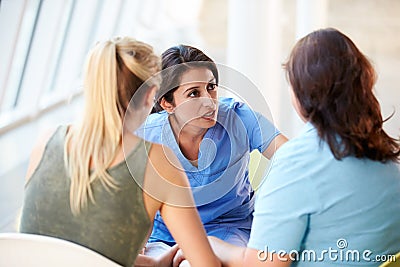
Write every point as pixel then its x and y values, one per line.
pixel 83 181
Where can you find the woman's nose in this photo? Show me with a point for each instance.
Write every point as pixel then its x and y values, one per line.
pixel 208 101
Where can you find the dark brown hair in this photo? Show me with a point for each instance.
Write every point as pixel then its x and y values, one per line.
pixel 333 82
pixel 175 62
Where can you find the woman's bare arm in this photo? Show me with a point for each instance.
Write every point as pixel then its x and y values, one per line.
pixel 234 256
pixel 274 145
pixel 169 186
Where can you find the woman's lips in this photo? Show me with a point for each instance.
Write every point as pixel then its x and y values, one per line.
pixel 209 115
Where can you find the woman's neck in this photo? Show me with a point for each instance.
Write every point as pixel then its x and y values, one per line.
pixel 186 131
pixel 187 137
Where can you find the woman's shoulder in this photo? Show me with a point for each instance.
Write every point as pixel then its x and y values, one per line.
pixel 152 127
pixel 305 145
pixel 228 107
pixel 166 180
pixel 41 145
pixel 48 135
pixel 154 121
pixel 232 111
pixel 228 103
pixel 162 156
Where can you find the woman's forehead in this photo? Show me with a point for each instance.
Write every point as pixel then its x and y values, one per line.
pixel 202 75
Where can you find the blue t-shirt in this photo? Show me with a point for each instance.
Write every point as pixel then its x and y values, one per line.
pixel 310 203
pixel 220 184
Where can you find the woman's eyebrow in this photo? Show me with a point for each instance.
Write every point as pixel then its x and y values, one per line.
pixel 212 80
pixel 191 88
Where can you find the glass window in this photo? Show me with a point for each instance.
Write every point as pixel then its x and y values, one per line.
pixel 19 57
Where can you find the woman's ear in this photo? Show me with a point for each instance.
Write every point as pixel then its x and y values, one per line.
pixel 168 107
pixel 149 97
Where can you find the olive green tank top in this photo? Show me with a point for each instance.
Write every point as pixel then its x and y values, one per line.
pixel 116 225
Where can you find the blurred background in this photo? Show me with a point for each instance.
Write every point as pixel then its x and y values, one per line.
pixel 43 44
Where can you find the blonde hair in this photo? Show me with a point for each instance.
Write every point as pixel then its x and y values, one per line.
pixel 114 70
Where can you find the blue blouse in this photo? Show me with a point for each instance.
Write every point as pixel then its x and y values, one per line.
pixel 327 212
pixel 220 184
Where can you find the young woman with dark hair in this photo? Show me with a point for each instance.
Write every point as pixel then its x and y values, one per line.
pixel 212 137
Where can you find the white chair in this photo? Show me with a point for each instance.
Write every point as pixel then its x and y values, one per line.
pixel 17 249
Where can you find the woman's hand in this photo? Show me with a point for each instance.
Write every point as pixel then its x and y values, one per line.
pixel 179 258
pixel 164 260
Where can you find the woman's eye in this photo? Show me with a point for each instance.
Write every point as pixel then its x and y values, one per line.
pixel 193 93
pixel 211 86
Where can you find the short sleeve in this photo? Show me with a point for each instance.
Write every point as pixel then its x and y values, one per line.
pixel 259 129
pixel 283 206
pixel 152 128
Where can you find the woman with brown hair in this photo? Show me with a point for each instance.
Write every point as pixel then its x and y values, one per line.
pixel 332 196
